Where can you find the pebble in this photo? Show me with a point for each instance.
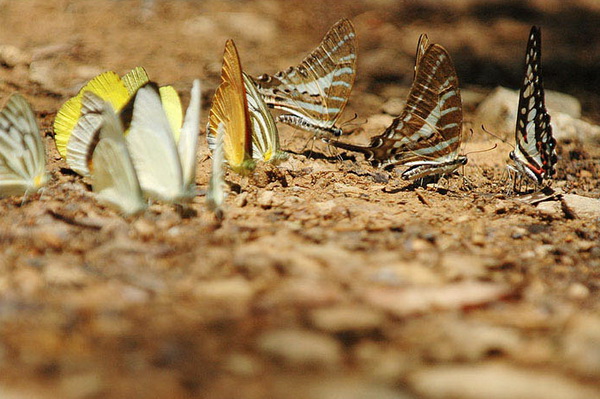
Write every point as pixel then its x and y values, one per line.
pixel 12 56
pixel 582 345
pixel 496 381
pixel 268 199
pixel 393 106
pixel 582 207
pixel 299 348
pixel 347 318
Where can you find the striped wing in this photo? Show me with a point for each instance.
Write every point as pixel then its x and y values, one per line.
pixel 230 107
pixel 535 150
pixel 429 128
pixel 265 137
pixel 317 90
pixel 22 154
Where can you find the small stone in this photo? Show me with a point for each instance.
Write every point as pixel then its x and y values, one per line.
pixel 393 106
pixel 268 199
pixel 12 56
pixel 241 200
pixel 298 348
pixel 578 291
pixel 347 318
pixel 582 207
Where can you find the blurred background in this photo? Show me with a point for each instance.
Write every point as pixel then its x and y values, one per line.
pixel 65 42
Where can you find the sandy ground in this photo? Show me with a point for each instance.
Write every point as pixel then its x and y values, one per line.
pixel 327 278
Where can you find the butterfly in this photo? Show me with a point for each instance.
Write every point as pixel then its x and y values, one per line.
pixel 114 179
pixel 250 130
pixel 215 195
pixel 22 154
pixel 77 127
pixel 316 92
pixel 534 155
pixel 426 135
pixel 166 167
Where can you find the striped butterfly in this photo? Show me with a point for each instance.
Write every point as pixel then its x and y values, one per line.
pixel 534 155
pixel 426 136
pixel 250 131
pixel 77 127
pixel 316 92
pixel 22 154
pixel 114 179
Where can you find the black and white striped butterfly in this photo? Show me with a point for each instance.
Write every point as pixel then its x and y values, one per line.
pixel 22 153
pixel 426 136
pixel 534 155
pixel 316 92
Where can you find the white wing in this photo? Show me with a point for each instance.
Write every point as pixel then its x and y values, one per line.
pixel 22 154
pixel 215 195
pixel 85 133
pixel 188 139
pixel 113 178
pixel 152 148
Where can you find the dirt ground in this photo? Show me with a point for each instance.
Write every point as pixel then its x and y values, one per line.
pixel 327 278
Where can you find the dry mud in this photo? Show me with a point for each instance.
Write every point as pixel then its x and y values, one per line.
pixel 327 278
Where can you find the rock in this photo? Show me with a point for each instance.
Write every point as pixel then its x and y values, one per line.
pixel 498 113
pixel 550 208
pixel 393 106
pixel 346 318
pixel 268 199
pixel 582 207
pixel 298 348
pixel 233 294
pixel 376 124
pixel 408 301
pixel 12 56
pixel 496 381
pixel 582 345
pixel 566 127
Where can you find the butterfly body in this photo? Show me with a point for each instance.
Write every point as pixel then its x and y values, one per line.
pixel 534 155
pixel 315 92
pixel 22 154
pixel 426 136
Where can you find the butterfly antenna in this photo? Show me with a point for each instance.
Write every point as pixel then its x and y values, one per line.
pixel 486 150
pixel 496 136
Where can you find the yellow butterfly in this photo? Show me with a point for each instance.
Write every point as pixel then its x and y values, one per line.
pixel 77 127
pixel 22 154
pixel 250 131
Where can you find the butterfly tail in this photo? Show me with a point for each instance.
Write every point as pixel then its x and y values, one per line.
pixel 367 151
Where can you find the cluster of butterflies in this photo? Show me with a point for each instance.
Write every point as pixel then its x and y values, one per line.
pixel 130 136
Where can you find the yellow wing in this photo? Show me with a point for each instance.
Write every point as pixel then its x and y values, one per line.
pixel 230 108
pixel 108 86
pixel 135 79
pixel 172 106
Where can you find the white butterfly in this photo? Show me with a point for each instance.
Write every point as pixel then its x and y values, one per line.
pixel 22 154
pixel 166 169
pixel 215 195
pixel 114 179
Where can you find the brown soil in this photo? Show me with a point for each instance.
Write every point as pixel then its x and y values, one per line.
pixel 327 278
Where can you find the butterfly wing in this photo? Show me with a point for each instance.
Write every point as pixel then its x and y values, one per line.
pixel 85 134
pixel 265 137
pixel 135 79
pixel 230 107
pixel 22 154
pixel 108 86
pixel 535 151
pixel 114 178
pixel 152 147
pixel 215 195
pixel 430 125
pixel 188 141
pixel 318 89
pixel 172 106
